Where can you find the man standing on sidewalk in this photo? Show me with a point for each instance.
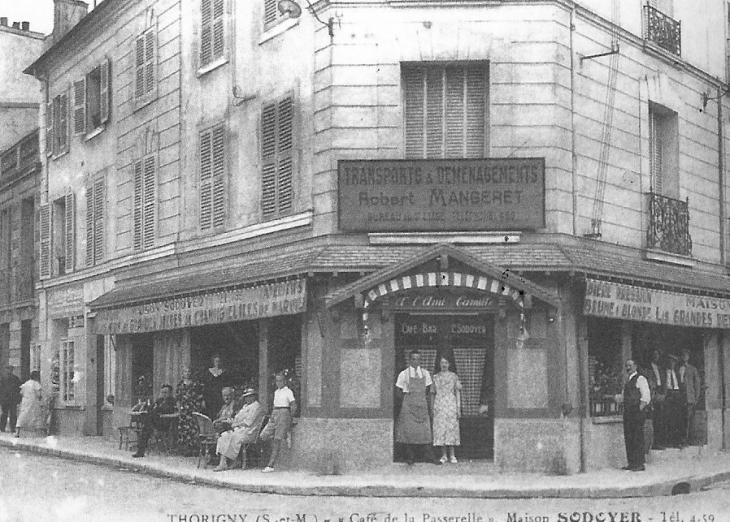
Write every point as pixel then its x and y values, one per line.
pixel 636 398
pixel 9 398
pixel 689 391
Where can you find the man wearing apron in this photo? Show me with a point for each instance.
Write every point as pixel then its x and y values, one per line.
pixel 413 427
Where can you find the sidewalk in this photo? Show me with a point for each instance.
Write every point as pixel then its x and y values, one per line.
pixel 468 479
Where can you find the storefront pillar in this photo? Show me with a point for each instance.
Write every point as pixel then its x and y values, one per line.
pixel 93 407
pixel 264 364
pixel 724 363
pixel 713 390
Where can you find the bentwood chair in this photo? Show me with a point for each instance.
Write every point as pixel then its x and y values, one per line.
pixel 207 436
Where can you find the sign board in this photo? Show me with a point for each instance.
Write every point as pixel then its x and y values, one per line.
pixel 445 301
pixel 441 195
pixel 65 302
pixel 243 304
pixel 635 303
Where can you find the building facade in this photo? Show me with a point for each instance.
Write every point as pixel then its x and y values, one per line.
pixel 534 190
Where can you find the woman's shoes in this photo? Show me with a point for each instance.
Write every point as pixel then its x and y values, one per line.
pixel 453 459
pixel 267 469
pixel 443 460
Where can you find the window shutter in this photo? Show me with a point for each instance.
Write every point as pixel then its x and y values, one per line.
pixel 140 66
pixel 61 124
pixel 49 129
pixel 286 126
pixel 149 58
pixel 413 80
pixel 268 155
pixel 206 32
pixel 477 84
pixel 206 178
pixel 218 29
pixel 434 112
pixel 70 231
pixel 138 201
pixel 455 113
pixel 99 199
pixel 149 202
pixel 90 225
pixel 44 226
pixel 270 12
pixel 655 151
pixel 219 164
pixel 80 106
pixel 105 90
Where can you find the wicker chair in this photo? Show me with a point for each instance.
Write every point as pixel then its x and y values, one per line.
pixel 207 436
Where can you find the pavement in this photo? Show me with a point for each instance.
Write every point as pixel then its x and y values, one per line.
pixel 695 466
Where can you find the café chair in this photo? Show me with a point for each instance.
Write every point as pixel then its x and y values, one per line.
pixel 207 436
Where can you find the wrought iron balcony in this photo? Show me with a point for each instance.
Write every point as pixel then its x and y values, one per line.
pixel 663 30
pixel 669 225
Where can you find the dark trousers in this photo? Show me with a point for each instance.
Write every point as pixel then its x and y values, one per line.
pixel 425 450
pixel 686 416
pixel 673 418
pixel 660 425
pixel 150 424
pixel 9 410
pixel 634 438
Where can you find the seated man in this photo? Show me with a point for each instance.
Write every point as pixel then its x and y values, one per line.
pixel 151 419
pixel 244 427
pixel 228 411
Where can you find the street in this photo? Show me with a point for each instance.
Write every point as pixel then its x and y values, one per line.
pixel 38 488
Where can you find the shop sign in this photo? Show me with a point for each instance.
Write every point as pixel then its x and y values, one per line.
pixel 243 304
pixel 445 301
pixel 456 327
pixel 635 303
pixel 65 302
pixel 441 195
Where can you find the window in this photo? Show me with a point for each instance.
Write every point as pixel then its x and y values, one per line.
pixel 272 16
pixel 211 31
pixel 35 357
pixel 446 110
pixel 277 138
pixel 63 234
pixel 95 204
pixel 664 151
pixel 605 366
pixel 44 229
pixel 212 177
pixel 665 6
pixel 57 125
pixel 144 78
pixel 64 371
pixel 92 100
pixel 145 185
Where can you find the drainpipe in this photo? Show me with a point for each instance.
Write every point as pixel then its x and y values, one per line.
pixel 573 158
pixel 723 388
pixel 721 173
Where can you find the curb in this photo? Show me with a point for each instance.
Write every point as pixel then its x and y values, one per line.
pixel 655 489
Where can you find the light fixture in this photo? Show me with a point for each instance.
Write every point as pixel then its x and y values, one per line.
pixel 292 9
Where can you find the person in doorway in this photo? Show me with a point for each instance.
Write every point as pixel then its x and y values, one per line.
pixel 243 430
pixel 636 397
pixel 690 387
pixel 215 379
pixel 446 392
pixel 32 415
pixel 655 375
pixel 413 426
pixel 672 408
pixel 189 395
pixel 279 424
pixel 9 398
pixel 152 420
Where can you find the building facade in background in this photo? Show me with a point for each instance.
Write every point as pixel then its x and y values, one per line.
pixel 533 190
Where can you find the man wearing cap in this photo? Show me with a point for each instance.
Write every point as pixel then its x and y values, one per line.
pixel 243 430
pixel 636 398
pixel 689 391
pixel 9 398
pixel 672 402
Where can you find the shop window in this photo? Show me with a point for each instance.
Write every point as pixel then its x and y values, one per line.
pixel 212 177
pixel 446 110
pixel 605 366
pixel 63 371
pixel 92 100
pixel 145 202
pixel 35 357
pixel 277 147
pixel 145 70
pixel 95 209
pixel 664 151
pixel 57 122
pixel 212 31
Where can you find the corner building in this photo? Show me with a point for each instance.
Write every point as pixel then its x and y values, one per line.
pixel 535 189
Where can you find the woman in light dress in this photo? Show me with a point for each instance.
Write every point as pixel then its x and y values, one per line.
pixel 446 411
pixel 32 415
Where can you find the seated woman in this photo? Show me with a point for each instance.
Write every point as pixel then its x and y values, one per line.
pixel 244 427
pixel 32 415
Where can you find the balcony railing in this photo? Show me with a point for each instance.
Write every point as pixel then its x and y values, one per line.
pixel 669 225
pixel 663 30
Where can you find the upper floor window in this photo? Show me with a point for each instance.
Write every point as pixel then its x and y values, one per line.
pixel 660 27
pixel 57 230
pixel 664 150
pixel 277 145
pixel 446 110
pixel 145 69
pixel 57 125
pixel 272 15
pixel 95 209
pixel 212 177
pixel 145 202
pixel 92 100
pixel 212 31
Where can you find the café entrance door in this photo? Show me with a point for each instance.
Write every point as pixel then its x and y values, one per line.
pixel 467 341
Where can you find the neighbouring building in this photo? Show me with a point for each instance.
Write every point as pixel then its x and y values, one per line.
pixel 533 189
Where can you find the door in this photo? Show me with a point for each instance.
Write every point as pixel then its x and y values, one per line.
pixel 467 341
pixel 100 385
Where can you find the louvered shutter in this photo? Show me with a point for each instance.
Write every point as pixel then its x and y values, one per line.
pixel 285 164
pixel 477 84
pixel 270 12
pixel 206 31
pixel 70 231
pixel 49 129
pixel 80 106
pixel 218 29
pixel 455 112
pixel 219 164
pixel 99 199
pixel 90 225
pixel 149 56
pixel 434 112
pixel 44 226
pixel 139 55
pixel 413 81
pixel 655 151
pixel 149 201
pixel 268 156
pixel 137 206
pixel 206 179
pixel 105 90
pixel 61 123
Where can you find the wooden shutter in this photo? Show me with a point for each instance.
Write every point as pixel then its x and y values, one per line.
pixel 44 226
pixel 61 123
pixel 477 88
pixel 285 160
pixel 70 231
pixel 206 179
pixel 105 90
pixel 139 55
pixel 413 83
pixel 434 112
pixel 95 222
pixel 218 29
pixel 655 151
pixel 50 139
pixel 219 164
pixel 206 31
pixel 90 225
pixel 455 112
pixel 80 106
pixel 149 58
pixel 149 201
pixel 268 156
pixel 137 205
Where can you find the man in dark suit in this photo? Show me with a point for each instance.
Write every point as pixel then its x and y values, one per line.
pixel 636 397
pixel 154 420
pixel 9 398
pixel 655 376
pixel 690 388
pixel 672 402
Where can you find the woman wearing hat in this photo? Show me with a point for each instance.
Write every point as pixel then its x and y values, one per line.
pixel 243 430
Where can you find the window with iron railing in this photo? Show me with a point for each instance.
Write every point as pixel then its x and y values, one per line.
pixel 663 30
pixel 669 225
